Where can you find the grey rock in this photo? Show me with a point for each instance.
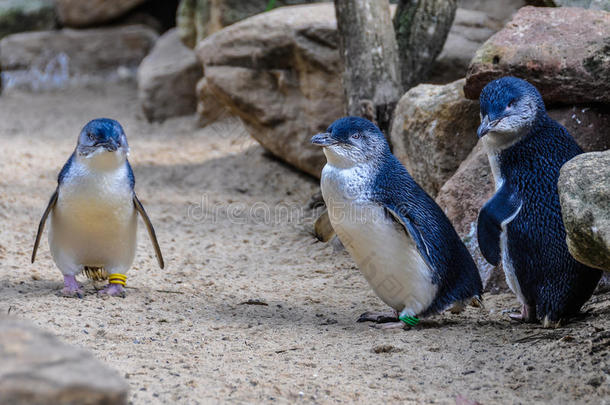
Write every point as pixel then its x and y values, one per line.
pixel 38 369
pixel 469 31
pixel 199 18
pixel 55 59
pixel 79 13
pixel 584 193
pixel 280 72
pixel 26 15
pixel 434 130
pixel 167 79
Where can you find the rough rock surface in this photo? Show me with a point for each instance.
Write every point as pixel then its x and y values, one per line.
pixel 167 79
pixel 469 31
pixel 280 72
pixel 498 10
pixel 591 4
pixel 199 18
pixel 564 52
pixel 37 368
pixel 434 130
pixel 79 13
pixel 584 193
pixel 589 125
pixel 26 15
pixel 38 60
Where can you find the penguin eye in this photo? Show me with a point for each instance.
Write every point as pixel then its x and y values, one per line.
pixel 90 136
pixel 511 103
pixel 356 136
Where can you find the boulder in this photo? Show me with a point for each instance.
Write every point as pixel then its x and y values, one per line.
pixel 209 108
pixel 584 193
pixel 589 125
pixel 26 15
pixel 53 59
pixel 199 18
pixel 280 72
pixel 37 368
pixel 79 13
pixel 469 31
pixel 498 10
pixel 562 51
pixel 591 4
pixel 167 78
pixel 434 130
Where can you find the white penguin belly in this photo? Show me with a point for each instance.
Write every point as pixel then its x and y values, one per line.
pixel 388 259
pixel 94 223
pixel 386 256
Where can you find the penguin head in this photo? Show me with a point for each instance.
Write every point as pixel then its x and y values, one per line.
pixel 103 139
pixel 350 141
pixel 509 108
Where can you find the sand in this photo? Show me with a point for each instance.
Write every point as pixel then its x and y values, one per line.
pixel 250 308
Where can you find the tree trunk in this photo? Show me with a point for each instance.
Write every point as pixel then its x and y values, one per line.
pixel 421 28
pixel 371 78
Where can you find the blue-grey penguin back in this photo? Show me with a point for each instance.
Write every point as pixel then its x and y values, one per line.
pixel 452 267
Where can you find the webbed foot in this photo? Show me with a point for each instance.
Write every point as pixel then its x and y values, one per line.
pixel 71 287
pixel 113 290
pixel 528 314
pixel 379 317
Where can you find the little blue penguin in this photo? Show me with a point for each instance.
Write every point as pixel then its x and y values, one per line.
pixel 93 211
pixel 398 236
pixel 521 224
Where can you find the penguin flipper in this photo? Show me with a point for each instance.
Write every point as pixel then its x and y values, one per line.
pixel 43 220
pixel 502 208
pixel 411 229
pixel 149 227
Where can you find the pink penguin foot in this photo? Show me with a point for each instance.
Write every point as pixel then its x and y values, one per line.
pixel 71 287
pixel 113 290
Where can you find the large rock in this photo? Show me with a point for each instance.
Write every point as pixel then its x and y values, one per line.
pixel 584 193
pixel 26 15
pixel 434 129
pixel 589 125
pixel 79 13
pixel 38 60
pixel 469 31
pixel 167 78
pixel 199 18
pixel 498 10
pixel 592 4
pixel 37 368
pixel 280 72
pixel 564 52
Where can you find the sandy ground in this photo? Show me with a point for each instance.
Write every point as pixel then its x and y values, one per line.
pixel 234 226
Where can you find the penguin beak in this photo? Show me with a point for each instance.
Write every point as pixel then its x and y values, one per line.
pixel 324 139
pixel 110 145
pixel 485 127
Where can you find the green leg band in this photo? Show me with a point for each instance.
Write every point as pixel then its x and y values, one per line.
pixel 409 320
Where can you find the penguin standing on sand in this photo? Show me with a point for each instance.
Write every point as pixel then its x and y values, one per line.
pixel 93 211
pixel 521 224
pixel 398 236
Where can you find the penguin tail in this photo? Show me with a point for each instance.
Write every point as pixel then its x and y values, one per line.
pixel 95 273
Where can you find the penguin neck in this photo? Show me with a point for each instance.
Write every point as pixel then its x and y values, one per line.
pixel 103 161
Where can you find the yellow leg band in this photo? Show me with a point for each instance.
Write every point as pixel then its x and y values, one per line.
pixel 117 278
